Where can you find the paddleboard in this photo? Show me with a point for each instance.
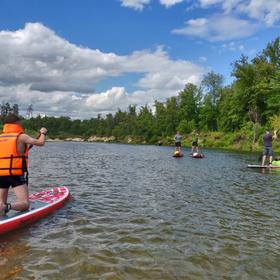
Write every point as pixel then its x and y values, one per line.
pixel 41 205
pixel 178 155
pixel 262 166
pixel 197 155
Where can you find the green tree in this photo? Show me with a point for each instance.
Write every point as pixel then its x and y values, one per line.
pixel 172 115
pixel 212 85
pixel 230 113
pixel 15 109
pixel 5 109
pixel 160 119
pixel 275 122
pixel 189 100
pixel 145 123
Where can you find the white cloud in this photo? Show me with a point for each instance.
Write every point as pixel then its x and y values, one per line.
pixel 38 67
pixel 140 4
pixel 116 98
pixel 233 46
pixel 206 3
pixel 49 103
pixel 266 11
pixel 161 78
pixel 218 28
pixel 35 55
pixel 135 4
pixel 106 101
pixel 202 59
pixel 169 3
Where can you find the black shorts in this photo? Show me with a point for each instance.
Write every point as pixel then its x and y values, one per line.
pixel 177 144
pixel 267 151
pixel 13 181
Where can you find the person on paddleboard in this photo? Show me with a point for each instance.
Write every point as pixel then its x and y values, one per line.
pixel 14 163
pixel 195 144
pixel 178 139
pixel 267 151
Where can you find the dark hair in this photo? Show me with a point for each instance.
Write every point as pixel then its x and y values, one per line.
pixel 11 118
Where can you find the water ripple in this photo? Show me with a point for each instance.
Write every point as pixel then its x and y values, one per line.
pixel 139 213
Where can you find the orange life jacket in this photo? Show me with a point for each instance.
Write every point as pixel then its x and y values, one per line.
pixel 11 162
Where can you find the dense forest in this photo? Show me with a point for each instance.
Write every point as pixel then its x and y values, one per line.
pixel 224 116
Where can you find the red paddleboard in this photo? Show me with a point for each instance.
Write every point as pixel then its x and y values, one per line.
pixel 41 204
pixel 197 155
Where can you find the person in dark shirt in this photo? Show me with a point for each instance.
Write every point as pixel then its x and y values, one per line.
pixel 267 151
pixel 195 145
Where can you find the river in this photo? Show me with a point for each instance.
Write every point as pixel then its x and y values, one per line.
pixel 138 213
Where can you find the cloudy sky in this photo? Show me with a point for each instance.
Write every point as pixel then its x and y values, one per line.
pixel 78 58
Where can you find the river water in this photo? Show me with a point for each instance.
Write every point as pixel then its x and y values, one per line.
pixel 138 213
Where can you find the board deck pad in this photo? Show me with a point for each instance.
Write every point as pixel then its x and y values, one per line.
pixel 33 205
pixel 178 155
pixel 41 204
pixel 197 155
pixel 262 166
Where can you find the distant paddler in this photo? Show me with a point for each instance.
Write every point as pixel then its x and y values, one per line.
pixel 195 144
pixel 177 139
pixel 267 150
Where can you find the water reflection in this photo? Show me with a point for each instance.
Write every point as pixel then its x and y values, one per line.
pixel 13 253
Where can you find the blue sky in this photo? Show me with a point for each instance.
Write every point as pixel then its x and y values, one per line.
pixel 80 58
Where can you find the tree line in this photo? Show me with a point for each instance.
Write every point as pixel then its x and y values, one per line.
pixel 250 103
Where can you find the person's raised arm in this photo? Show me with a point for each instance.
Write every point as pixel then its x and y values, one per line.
pixel 40 141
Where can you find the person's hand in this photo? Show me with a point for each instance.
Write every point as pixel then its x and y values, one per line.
pixel 43 130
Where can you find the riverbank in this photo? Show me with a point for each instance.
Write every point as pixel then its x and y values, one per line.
pixel 237 141
pixel 93 138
